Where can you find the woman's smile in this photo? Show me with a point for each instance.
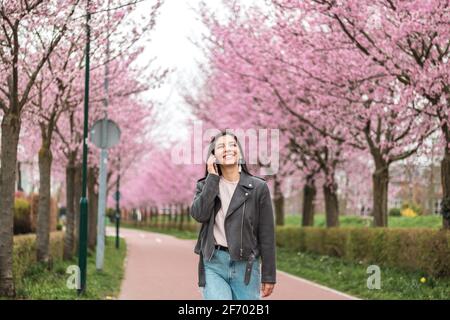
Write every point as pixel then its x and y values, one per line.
pixel 229 157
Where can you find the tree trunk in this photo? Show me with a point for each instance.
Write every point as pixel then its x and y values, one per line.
pixel 10 139
pixel 169 208
pixel 430 189
pixel 181 210
pixel 279 203
pixel 69 236
pixel 331 205
pixel 445 181
pixel 380 179
pixel 309 195
pixel 43 219
pixel 175 210
pixel 93 208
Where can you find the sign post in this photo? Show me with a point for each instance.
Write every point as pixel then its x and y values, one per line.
pixel 104 134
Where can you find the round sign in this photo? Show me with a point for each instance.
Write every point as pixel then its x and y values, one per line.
pixel 105 134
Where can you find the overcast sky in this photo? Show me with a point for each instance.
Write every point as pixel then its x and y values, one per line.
pixel 176 24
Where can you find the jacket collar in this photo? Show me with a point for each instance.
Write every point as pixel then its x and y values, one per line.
pixel 241 194
pixel 245 180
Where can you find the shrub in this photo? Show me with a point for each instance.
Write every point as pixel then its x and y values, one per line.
pixel 22 216
pixel 34 201
pixel 408 212
pixel 291 237
pixel 394 212
pixel 335 243
pixel 424 250
pixel 111 214
pixel 417 209
pixel 24 252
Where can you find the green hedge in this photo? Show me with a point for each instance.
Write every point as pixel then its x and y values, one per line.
pixel 22 216
pixel 24 252
pixel 425 250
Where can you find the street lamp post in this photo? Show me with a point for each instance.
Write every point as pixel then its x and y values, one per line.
pixel 118 207
pixel 82 247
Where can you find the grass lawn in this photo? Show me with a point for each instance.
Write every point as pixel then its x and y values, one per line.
pixel 40 283
pixel 432 221
pixel 351 278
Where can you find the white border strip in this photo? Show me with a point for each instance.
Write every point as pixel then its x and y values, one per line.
pixel 318 285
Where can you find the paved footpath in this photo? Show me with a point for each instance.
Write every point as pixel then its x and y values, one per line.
pixel 160 266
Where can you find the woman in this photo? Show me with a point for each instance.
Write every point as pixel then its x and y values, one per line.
pixel 237 232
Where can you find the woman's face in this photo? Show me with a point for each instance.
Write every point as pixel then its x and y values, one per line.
pixel 226 150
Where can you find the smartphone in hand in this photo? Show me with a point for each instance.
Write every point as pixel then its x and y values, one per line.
pixel 216 162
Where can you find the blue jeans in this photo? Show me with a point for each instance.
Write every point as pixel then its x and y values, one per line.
pixel 225 278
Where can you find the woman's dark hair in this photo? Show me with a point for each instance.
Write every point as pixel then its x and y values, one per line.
pixel 212 146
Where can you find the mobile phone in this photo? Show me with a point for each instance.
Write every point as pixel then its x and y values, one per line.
pixel 215 163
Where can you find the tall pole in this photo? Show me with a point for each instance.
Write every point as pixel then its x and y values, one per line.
pixel 82 248
pixel 100 252
pixel 118 207
pixel 19 177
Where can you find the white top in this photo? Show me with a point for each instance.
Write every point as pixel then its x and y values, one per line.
pixel 226 191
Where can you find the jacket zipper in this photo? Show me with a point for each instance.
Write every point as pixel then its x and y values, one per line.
pixel 212 253
pixel 242 227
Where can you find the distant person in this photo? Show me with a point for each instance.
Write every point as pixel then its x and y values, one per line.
pixel 237 233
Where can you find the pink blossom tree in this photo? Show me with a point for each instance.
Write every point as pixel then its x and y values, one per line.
pixel 31 30
pixel 408 42
pixel 323 86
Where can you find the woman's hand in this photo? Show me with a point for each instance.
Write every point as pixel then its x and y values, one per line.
pixel 266 289
pixel 210 164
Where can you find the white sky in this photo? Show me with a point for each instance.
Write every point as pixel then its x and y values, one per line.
pixel 176 24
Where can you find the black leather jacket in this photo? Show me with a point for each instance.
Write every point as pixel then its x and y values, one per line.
pixel 249 224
